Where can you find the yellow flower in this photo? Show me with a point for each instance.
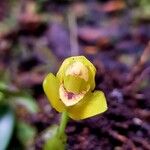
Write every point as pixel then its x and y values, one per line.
pixel 72 88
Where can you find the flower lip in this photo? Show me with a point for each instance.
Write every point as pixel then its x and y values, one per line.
pixel 70 95
pixel 70 98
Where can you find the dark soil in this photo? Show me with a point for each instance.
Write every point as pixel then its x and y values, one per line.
pixel 115 39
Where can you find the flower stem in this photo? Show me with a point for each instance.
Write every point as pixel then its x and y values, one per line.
pixel 63 123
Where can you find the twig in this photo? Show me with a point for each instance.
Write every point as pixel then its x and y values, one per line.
pixel 118 136
pixel 73 33
pixel 122 139
pixel 142 113
pixel 135 77
pixel 138 68
pixel 133 86
pixel 142 142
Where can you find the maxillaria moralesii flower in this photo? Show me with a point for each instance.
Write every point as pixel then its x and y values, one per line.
pixel 72 88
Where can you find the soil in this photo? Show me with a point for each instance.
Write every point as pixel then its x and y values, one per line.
pixel 115 39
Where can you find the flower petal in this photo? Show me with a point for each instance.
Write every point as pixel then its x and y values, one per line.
pixel 92 70
pixel 82 59
pixel 91 105
pixel 51 89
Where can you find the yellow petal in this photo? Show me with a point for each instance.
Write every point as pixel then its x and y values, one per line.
pixel 91 68
pixel 67 62
pixel 91 105
pixel 51 89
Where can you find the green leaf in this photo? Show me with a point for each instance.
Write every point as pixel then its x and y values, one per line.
pixel 55 143
pixel 28 102
pixel 7 121
pixel 52 139
pixel 25 133
pixel 49 132
pixel 1 96
pixel 3 86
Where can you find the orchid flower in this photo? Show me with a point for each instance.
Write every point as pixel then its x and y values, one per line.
pixel 71 90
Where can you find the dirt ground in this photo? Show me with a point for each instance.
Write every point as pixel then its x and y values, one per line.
pixel 114 36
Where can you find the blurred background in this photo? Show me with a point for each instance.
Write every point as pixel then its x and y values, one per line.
pixel 35 37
